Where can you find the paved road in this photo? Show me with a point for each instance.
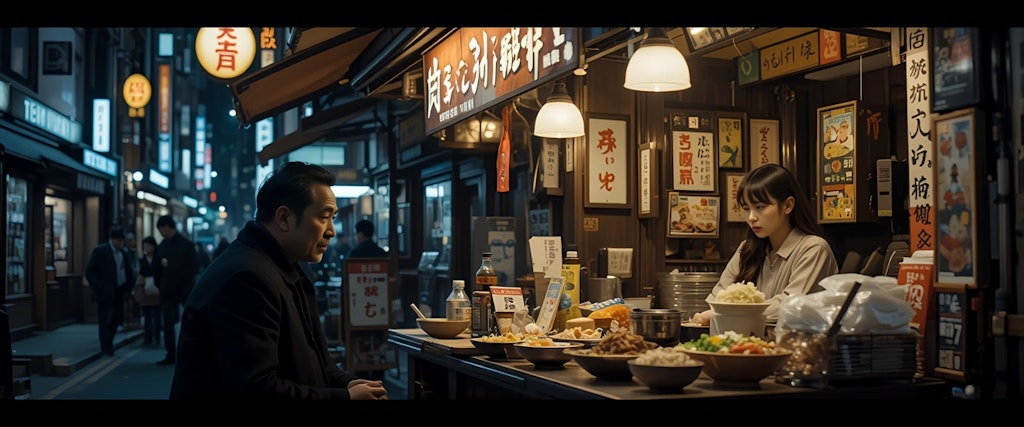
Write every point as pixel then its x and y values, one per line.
pixel 132 373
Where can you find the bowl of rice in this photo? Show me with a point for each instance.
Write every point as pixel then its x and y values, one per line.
pixel 665 369
pixel 739 307
pixel 739 299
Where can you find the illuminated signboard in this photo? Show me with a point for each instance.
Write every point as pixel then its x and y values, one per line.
pixel 476 68
pixel 225 52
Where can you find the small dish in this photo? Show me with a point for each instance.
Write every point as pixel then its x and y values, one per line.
pixel 498 350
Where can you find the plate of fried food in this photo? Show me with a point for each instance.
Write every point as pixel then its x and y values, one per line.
pixel 589 337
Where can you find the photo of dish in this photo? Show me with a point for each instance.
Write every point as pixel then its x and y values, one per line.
pixel 690 215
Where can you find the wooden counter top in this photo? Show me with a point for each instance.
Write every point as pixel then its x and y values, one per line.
pixel 573 382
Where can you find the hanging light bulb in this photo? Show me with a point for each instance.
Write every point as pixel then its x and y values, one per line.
pixel 559 117
pixel 657 66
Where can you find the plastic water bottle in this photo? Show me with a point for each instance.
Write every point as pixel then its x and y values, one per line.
pixel 458 305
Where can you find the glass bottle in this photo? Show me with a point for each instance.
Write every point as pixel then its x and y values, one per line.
pixel 458 305
pixel 483 322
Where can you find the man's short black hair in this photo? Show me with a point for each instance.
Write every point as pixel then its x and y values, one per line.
pixel 116 232
pixel 365 226
pixel 290 186
pixel 166 221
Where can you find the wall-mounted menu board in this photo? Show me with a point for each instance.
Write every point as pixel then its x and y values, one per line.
pixel 851 137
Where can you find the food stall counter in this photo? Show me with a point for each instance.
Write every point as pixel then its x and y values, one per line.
pixel 455 369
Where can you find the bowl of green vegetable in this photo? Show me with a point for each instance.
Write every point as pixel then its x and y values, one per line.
pixel 736 360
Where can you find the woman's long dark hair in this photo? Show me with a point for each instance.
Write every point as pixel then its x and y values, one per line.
pixel 761 185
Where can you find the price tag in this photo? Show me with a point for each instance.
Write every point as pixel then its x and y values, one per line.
pixel 550 304
pixel 507 299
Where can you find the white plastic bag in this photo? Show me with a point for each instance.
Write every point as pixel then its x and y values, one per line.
pixel 878 308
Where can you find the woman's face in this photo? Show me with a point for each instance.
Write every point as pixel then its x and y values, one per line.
pixel 769 219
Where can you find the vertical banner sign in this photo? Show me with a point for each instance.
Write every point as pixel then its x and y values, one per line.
pixel 101 125
pixel 608 162
pixel 163 155
pixel 504 151
pixel 268 46
pixel 764 142
pixel 265 127
pixel 549 163
pixel 920 146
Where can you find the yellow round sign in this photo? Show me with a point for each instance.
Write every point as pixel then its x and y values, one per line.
pixel 137 91
pixel 225 52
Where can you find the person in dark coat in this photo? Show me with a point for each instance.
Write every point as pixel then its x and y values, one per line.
pixel 221 247
pixel 176 268
pixel 250 327
pixel 366 248
pixel 108 271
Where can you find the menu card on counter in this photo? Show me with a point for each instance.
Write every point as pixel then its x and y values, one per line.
pixel 549 304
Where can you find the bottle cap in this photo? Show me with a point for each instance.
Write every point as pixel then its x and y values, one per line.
pixel 459 283
pixel 572 254
pixel 487 254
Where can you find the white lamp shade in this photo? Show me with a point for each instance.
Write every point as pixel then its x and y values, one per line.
pixel 657 68
pixel 559 119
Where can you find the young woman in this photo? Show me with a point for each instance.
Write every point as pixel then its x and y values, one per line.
pixel 785 252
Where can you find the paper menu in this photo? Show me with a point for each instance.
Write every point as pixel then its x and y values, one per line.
pixel 507 299
pixel 550 304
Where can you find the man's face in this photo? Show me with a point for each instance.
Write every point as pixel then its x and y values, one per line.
pixel 117 242
pixel 310 236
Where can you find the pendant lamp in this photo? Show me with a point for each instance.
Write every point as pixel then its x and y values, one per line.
pixel 657 66
pixel 559 117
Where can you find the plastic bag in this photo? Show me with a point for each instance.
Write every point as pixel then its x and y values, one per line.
pixel 878 308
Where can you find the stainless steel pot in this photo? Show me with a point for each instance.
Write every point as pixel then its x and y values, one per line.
pixel 661 326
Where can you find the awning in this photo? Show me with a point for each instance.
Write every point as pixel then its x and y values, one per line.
pixel 315 127
pixel 300 76
pixel 43 154
pixel 393 52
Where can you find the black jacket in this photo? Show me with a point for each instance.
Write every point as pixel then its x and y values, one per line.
pixel 367 249
pixel 101 272
pixel 250 329
pixel 176 280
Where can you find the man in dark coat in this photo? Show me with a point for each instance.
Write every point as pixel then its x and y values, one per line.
pixel 176 267
pixel 110 275
pixel 250 327
pixel 366 248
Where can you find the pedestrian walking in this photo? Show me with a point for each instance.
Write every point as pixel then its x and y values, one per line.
pixel 107 271
pixel 147 294
pixel 176 269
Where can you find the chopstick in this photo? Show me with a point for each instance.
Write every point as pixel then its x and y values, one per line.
pixel 836 324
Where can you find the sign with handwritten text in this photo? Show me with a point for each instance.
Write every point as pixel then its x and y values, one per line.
pixel 919 143
pixel 478 67
pixel 789 56
pixel 368 302
pixel 608 162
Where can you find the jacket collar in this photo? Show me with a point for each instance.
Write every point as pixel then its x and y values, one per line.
pixel 255 234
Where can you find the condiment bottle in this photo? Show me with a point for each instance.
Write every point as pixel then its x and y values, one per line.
pixel 483 322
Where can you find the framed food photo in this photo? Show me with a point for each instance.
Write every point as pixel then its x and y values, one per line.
pixel 692 216
pixel 837 163
pixel 959 186
pixel 730 130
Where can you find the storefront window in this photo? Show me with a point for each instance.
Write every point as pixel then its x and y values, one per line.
pixel 17 205
pixel 438 219
pixel 58 231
